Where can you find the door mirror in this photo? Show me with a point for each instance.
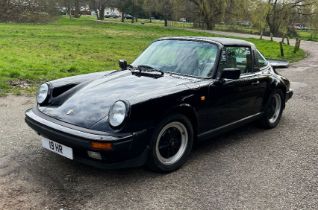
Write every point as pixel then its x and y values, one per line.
pixel 276 64
pixel 231 73
pixel 123 64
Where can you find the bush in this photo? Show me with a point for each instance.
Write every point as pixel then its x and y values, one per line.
pixel 40 17
pixel 15 12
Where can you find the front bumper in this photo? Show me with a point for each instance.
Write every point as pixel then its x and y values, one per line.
pixel 289 94
pixel 129 150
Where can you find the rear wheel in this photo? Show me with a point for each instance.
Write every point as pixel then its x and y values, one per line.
pixel 171 144
pixel 273 111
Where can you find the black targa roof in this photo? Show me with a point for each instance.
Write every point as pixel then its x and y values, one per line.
pixel 219 40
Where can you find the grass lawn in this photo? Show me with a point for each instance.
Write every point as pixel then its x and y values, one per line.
pixel 33 53
pixel 307 35
pixel 237 28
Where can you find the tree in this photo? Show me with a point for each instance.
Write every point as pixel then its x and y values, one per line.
pixel 236 10
pixel 27 10
pixel 280 14
pixel 148 7
pixel 259 11
pixel 210 11
pixel 165 7
pixel 77 9
pixel 99 7
pixel 313 20
pixel 162 7
pixel 73 6
pixel 124 7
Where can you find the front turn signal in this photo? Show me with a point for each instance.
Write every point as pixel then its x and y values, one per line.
pixel 101 146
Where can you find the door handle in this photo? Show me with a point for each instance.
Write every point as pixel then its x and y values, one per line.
pixel 256 83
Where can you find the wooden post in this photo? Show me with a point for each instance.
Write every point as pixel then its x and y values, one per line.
pixel 271 36
pixel 295 48
pixel 287 38
pixel 281 49
pixel 283 39
pixel 297 45
pixel 261 37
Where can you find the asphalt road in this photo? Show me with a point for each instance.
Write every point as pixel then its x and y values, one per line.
pixel 248 168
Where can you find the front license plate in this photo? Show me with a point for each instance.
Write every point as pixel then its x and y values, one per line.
pixel 58 148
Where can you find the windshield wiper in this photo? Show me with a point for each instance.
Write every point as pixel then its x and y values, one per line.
pixel 145 68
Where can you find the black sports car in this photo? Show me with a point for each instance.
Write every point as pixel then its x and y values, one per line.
pixel 179 91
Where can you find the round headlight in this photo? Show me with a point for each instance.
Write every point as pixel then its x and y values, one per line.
pixel 42 93
pixel 117 113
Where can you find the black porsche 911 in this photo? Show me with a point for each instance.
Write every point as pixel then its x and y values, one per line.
pixel 180 90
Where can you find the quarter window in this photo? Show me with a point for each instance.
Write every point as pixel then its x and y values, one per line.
pixel 237 57
pixel 260 61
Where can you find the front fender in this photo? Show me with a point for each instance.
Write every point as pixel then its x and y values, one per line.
pixel 149 113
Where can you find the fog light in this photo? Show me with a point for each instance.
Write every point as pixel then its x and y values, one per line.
pixel 95 145
pixel 94 155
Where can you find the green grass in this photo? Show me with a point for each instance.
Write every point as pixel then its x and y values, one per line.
pixel 237 28
pixel 34 53
pixel 307 35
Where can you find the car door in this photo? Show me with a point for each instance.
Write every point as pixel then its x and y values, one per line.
pixel 233 100
pixel 261 73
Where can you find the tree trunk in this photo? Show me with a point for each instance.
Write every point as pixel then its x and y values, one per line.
pixel 273 24
pixel 209 24
pixel 122 17
pixel 287 40
pixel 97 16
pixel 261 37
pixel 166 22
pixel 77 9
pixel 274 29
pixel 69 10
pixel 101 12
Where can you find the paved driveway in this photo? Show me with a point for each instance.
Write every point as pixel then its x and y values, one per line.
pixel 247 168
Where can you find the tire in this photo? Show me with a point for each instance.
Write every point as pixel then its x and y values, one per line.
pixel 273 110
pixel 171 144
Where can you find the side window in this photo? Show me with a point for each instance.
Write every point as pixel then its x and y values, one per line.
pixel 260 61
pixel 237 57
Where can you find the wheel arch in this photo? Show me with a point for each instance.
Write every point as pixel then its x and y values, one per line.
pixel 270 93
pixel 275 85
pixel 188 111
pixel 282 87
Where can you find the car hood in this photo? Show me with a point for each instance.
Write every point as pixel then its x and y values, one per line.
pixel 90 104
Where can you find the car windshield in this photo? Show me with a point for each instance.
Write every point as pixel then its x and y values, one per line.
pixel 189 58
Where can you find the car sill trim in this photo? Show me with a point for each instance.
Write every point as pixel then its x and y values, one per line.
pixel 207 133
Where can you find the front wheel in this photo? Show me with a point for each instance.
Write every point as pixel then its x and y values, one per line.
pixel 273 110
pixel 171 144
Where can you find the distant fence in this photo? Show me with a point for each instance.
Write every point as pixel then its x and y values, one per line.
pixel 179 24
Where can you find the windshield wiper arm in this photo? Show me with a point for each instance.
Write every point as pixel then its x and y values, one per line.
pixel 149 68
pixel 131 67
